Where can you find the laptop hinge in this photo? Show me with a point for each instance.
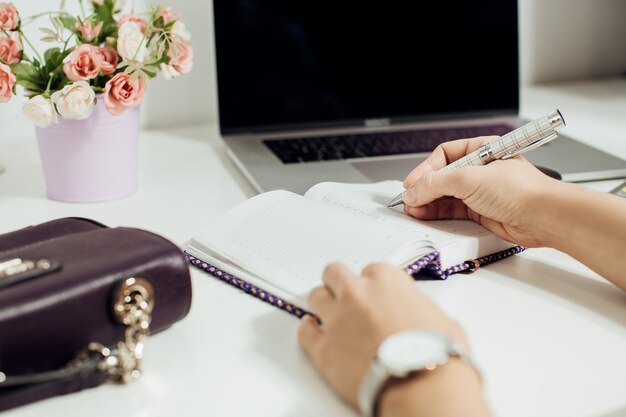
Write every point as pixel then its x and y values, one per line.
pixel 377 122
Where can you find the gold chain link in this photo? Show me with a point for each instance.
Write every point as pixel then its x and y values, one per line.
pixel 133 307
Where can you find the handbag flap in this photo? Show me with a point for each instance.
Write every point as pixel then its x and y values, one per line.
pixel 51 229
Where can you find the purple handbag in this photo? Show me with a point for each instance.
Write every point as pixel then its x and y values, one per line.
pixel 77 301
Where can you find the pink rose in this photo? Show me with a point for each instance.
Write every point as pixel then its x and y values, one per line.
pixel 84 64
pixel 120 93
pixel 9 19
pixel 10 50
pixel 183 61
pixel 86 32
pixel 167 15
pixel 143 25
pixel 7 82
pixel 109 60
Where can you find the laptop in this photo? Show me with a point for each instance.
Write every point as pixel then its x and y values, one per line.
pixel 362 91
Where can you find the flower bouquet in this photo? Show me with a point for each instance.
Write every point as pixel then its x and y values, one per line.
pixel 88 86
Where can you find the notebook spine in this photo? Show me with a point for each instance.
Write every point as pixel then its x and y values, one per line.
pixel 246 287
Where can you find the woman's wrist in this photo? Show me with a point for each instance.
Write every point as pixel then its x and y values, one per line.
pixel 452 389
pixel 588 225
pixel 545 211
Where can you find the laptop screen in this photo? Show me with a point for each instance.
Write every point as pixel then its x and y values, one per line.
pixel 286 63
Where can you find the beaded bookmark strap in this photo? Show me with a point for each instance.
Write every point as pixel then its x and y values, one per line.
pixel 430 263
pixel 246 287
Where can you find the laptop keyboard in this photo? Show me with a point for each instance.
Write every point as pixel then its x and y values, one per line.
pixel 348 146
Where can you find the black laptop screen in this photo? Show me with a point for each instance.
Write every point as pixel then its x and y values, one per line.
pixel 286 63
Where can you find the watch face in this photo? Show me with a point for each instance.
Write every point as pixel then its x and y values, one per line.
pixel 413 350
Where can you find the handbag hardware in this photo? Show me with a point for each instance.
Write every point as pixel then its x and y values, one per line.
pixel 133 305
pixel 17 269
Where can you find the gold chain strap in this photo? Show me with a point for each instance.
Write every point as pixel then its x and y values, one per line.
pixel 133 305
pixel 134 302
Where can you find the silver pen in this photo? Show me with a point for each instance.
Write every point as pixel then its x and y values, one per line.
pixel 517 142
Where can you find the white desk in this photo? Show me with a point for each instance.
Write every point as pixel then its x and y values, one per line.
pixel 549 334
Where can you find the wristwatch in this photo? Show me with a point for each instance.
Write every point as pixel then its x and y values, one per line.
pixel 403 354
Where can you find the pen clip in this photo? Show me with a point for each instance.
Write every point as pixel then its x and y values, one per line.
pixel 531 146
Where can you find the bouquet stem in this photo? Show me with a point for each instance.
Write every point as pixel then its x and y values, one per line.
pixel 25 38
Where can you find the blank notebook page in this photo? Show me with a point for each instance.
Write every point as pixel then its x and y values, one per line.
pixel 290 239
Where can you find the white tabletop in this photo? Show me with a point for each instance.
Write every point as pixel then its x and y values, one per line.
pixel 549 334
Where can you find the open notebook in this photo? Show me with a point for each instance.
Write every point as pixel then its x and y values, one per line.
pixel 276 244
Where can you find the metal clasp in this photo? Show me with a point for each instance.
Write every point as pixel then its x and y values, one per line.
pixel 133 305
pixel 474 265
pixel 16 270
pixel 19 266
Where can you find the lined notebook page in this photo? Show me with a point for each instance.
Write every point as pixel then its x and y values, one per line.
pixel 457 240
pixel 290 239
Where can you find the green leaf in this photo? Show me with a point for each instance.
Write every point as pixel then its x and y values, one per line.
pixel 54 60
pixel 29 77
pixel 32 94
pixel 26 71
pixel 105 13
pixel 69 23
pixel 60 80
pixel 52 56
pixel 58 72
pixel 112 42
pixel 109 29
pixel 30 85
pixel 150 74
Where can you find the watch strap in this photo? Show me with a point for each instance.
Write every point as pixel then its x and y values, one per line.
pixel 371 386
pixel 459 351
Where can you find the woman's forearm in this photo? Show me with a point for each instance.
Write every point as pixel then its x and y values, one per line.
pixel 588 225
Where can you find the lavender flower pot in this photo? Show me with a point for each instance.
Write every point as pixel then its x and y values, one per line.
pixel 91 160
